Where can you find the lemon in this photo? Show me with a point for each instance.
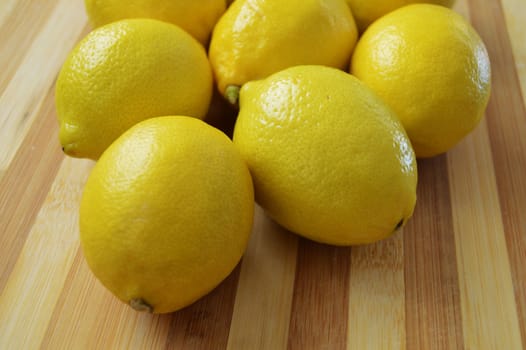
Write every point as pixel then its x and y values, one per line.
pixel 166 213
pixel 123 73
pixel 196 17
pixel 330 161
pixel 432 68
pixel 366 12
pixel 255 38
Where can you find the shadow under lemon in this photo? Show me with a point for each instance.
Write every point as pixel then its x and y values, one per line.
pixel 221 114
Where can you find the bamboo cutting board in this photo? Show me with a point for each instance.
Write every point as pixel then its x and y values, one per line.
pixel 454 278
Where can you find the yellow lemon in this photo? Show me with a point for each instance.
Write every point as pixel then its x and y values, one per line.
pixel 366 12
pixel 196 17
pixel 255 38
pixel 166 213
pixel 432 68
pixel 123 73
pixel 330 161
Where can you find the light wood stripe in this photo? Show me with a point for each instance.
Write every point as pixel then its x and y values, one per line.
pixel 91 302
pixel 7 9
pixel 432 286
pixel 515 26
pixel 17 32
pixel 34 285
pixel 517 36
pixel 99 320
pixel 321 297
pixel 377 296
pixel 22 196
pixel 27 89
pixel 507 140
pixel 264 295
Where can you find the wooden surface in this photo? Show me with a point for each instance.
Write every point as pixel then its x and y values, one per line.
pixel 454 278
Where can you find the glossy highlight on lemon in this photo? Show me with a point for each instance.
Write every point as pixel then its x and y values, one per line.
pixel 330 161
pixel 123 73
pixel 256 38
pixel 197 17
pixel 166 213
pixel 432 68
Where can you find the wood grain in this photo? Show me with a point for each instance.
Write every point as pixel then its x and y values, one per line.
pixel 7 8
pixel 38 276
pixel 432 287
pixel 28 86
pixel 20 23
pixel 506 119
pixel 486 288
pixel 321 292
pixel 99 320
pixel 377 296
pixel 205 324
pixel 454 278
pixel 517 37
pixel 24 194
pixel 265 288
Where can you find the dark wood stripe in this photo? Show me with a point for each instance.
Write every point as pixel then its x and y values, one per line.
pixel 433 311
pixel 38 160
pixel 507 133
pixel 321 297
pixel 18 33
pixel 205 324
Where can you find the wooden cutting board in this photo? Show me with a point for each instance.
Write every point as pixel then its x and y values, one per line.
pixel 454 278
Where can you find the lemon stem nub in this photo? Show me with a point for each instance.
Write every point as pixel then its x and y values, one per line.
pixel 399 225
pixel 141 305
pixel 232 94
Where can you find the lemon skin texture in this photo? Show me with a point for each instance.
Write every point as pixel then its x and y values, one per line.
pixel 432 68
pixel 166 213
pixel 123 73
pixel 366 12
pixel 256 38
pixel 330 161
pixel 197 17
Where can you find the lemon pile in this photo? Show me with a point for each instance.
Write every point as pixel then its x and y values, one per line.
pixel 333 101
